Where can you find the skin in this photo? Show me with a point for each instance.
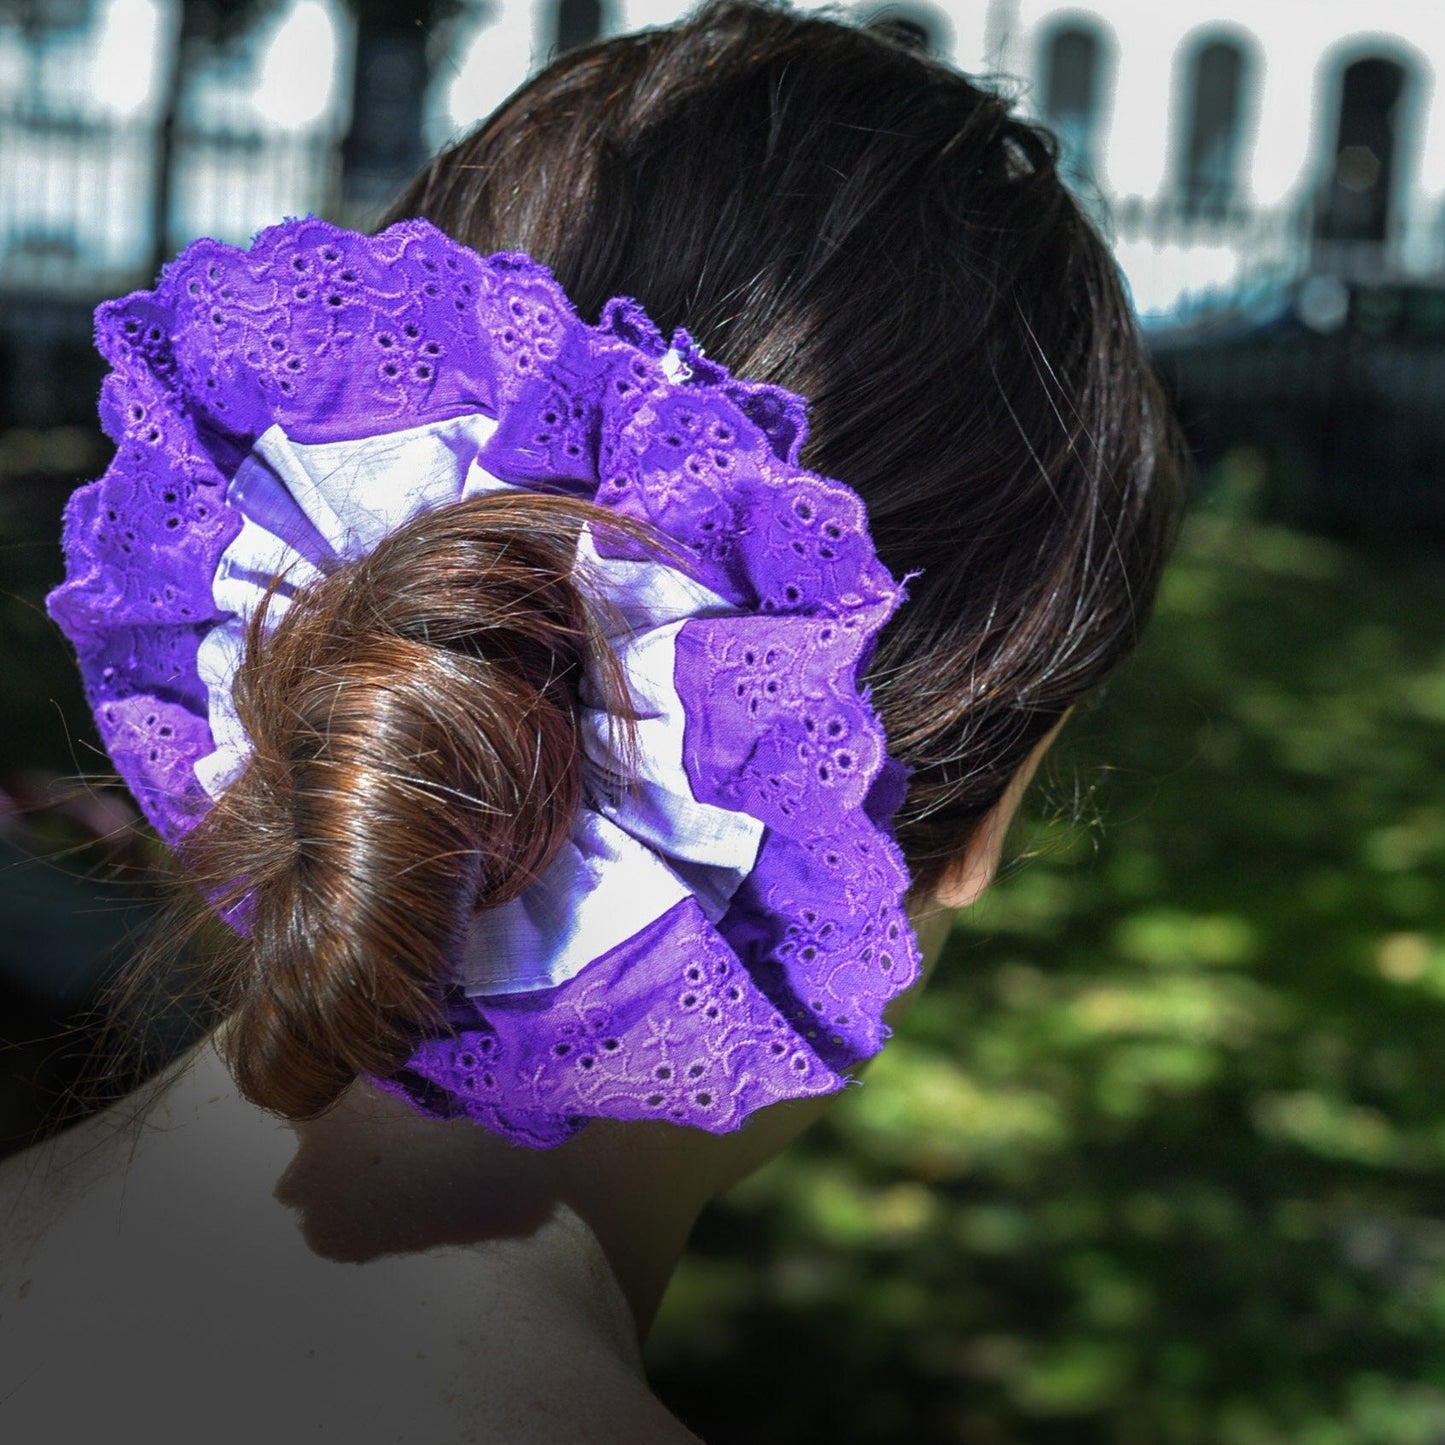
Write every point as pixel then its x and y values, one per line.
pixel 186 1265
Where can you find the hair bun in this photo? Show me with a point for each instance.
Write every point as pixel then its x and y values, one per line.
pixel 414 724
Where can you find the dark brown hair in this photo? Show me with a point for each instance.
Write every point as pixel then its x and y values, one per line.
pixel 825 210
pixel 830 211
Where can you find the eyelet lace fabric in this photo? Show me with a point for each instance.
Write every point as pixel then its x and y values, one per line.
pixel 279 410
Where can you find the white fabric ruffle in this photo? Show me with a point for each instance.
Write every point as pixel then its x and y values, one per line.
pixel 642 841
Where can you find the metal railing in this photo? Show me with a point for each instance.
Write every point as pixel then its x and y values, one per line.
pixel 76 194
pixel 77 204
pixel 1186 262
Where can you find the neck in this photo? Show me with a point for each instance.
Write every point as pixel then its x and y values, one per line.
pixel 475 1280
pixel 597 1224
pixel 600 1221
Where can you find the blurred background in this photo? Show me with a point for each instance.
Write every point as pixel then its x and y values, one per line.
pixel 1161 1156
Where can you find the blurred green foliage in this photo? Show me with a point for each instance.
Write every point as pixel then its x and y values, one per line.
pixel 1159 1157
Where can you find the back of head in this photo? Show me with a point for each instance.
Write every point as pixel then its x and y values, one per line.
pixel 830 211
pixel 822 210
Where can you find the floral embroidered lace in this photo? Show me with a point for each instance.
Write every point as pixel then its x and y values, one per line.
pixel 702 1016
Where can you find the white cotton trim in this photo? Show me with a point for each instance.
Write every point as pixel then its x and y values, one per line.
pixel 600 889
pixel 356 492
pixel 644 842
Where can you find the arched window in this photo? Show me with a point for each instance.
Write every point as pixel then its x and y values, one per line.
pixel 1071 65
pixel 1210 161
pixel 579 22
pixel 1355 204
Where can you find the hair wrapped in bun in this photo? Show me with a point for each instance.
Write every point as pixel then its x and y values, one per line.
pixel 415 758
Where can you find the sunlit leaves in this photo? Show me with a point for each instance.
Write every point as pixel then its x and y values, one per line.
pixel 1159 1158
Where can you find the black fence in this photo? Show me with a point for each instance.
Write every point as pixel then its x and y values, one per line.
pixel 1323 361
pixel 77 195
pixel 78 221
pixel 1327 415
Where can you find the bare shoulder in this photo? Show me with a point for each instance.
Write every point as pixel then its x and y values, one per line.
pixel 151 1280
pixel 148 1345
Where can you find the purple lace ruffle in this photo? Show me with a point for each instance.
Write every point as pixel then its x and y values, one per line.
pixel 336 337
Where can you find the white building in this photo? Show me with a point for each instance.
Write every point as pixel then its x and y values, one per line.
pixel 1233 138
pixel 1231 145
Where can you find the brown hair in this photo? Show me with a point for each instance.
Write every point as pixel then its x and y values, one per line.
pixel 825 210
pixel 415 755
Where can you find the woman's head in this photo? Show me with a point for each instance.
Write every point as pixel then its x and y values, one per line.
pixel 828 211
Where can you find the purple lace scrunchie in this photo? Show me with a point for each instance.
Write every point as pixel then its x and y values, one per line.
pixel 719 936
